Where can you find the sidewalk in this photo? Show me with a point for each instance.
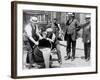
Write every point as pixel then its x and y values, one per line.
pixel 78 62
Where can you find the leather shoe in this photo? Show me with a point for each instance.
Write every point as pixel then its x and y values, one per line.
pixel 67 57
pixel 72 58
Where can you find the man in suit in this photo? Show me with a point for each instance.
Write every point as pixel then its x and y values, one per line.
pixel 71 35
pixel 87 38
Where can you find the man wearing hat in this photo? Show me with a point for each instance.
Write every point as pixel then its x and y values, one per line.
pixel 71 35
pixel 87 38
pixel 33 35
pixel 50 35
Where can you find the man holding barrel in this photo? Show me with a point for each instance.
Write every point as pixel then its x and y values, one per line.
pixel 33 36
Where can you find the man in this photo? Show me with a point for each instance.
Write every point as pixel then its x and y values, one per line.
pixel 87 38
pixel 71 35
pixel 51 37
pixel 56 30
pixel 33 35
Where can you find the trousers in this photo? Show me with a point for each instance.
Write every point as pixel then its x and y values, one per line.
pixel 70 44
pixel 87 50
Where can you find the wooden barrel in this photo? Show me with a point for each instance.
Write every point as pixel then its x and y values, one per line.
pixel 42 52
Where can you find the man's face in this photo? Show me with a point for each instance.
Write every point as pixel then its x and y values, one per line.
pixel 54 21
pixel 49 32
pixel 34 22
pixel 44 35
pixel 87 19
pixel 71 17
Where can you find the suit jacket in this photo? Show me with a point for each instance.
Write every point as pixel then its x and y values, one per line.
pixel 72 29
pixel 87 34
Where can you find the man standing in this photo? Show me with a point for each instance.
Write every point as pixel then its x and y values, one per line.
pixel 33 35
pixel 87 37
pixel 71 35
pixel 56 30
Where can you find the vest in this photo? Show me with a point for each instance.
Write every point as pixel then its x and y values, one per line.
pixel 34 35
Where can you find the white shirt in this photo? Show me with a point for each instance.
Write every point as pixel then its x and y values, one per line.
pixel 28 30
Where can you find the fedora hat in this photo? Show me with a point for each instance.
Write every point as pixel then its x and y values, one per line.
pixel 49 30
pixel 87 16
pixel 33 19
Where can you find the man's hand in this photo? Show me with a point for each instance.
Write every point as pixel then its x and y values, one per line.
pixel 88 41
pixel 41 38
pixel 37 43
pixel 49 39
